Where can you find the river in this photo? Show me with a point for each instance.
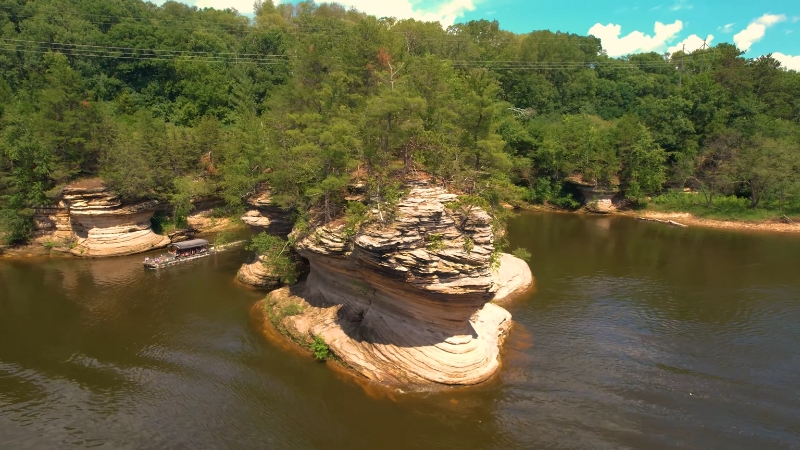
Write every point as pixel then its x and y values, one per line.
pixel 639 335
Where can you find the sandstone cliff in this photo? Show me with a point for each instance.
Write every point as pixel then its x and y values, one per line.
pixel 98 223
pixel 407 303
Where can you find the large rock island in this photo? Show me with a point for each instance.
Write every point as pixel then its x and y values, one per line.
pixel 410 302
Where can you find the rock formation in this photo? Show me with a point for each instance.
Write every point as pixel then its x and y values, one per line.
pixel 98 222
pixel 599 199
pixel 256 274
pixel 105 226
pixel 52 222
pixel 407 303
pixel 263 215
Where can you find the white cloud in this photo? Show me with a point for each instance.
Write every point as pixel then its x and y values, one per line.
pixel 681 4
pixel 727 28
pixel 444 11
pixel 756 30
pixel 692 43
pixel 788 61
pixel 635 41
pixel 243 6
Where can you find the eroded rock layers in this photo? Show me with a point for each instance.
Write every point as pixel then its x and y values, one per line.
pixel 264 215
pixel 99 223
pixel 256 274
pixel 407 303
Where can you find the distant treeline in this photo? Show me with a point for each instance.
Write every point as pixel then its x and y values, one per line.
pixel 173 102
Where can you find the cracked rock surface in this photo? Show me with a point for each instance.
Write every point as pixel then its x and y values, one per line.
pixel 105 226
pixel 410 303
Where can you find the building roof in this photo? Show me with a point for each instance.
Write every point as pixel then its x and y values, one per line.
pixel 194 243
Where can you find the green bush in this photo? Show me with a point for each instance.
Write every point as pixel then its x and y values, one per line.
pixel 320 349
pixel 275 256
pixel 160 223
pixel 227 211
pixel 722 207
pixel 435 242
pixel 354 215
pixel 566 202
pixel 522 254
pixel 469 244
pixel 542 191
pixel 16 226
pixel 291 309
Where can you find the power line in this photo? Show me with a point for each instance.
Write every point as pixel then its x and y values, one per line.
pixel 100 51
pixel 135 49
pixel 133 55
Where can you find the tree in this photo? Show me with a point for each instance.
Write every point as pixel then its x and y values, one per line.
pixel 768 167
pixel 643 170
pixel 274 255
pixel 715 166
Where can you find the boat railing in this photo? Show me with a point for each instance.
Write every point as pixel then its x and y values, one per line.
pixel 169 259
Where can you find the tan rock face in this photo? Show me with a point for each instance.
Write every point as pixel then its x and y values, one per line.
pixel 257 275
pixel 597 201
pixel 512 277
pixel 104 226
pixel 408 303
pixel 52 221
pixel 264 215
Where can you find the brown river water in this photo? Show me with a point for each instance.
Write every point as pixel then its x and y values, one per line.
pixel 638 336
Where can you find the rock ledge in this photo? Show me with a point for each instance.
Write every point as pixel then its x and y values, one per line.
pixel 407 304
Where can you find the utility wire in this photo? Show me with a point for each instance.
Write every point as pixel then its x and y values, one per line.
pixel 100 51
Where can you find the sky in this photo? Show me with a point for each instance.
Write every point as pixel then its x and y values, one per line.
pixel 624 26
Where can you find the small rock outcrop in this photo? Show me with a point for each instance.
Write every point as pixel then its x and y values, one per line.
pixel 410 303
pixel 256 274
pixel 98 222
pixel 599 199
pixel 263 215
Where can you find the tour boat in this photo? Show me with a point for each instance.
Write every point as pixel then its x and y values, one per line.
pixel 181 252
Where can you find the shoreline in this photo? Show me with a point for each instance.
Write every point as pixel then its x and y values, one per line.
pixel 768 226
pixel 689 219
pixel 36 249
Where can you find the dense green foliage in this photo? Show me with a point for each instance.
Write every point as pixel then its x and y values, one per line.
pixel 274 254
pixel 173 102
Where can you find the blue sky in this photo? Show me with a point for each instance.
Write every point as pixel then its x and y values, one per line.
pixel 624 26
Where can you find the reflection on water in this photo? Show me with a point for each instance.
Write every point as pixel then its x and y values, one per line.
pixel 639 335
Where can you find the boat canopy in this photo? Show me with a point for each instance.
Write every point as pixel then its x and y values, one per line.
pixel 194 243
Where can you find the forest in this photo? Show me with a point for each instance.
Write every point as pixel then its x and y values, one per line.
pixel 176 102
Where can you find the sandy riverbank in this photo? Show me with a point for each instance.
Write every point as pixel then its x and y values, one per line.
pixel 774 226
pixel 771 225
